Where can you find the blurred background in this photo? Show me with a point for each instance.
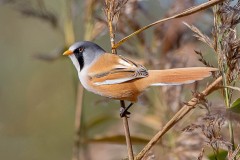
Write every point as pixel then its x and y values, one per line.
pixel 38 89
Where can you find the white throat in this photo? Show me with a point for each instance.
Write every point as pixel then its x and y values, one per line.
pixel 82 74
pixel 75 62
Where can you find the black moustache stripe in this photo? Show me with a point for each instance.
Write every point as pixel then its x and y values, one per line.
pixel 80 59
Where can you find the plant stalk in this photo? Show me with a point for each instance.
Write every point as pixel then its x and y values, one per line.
pixel 110 16
pixel 127 134
pixel 69 39
pixel 222 62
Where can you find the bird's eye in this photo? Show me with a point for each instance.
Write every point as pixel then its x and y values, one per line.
pixel 81 49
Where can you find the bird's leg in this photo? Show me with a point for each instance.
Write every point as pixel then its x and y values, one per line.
pixel 124 111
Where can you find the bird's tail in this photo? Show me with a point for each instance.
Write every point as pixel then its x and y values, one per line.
pixel 178 76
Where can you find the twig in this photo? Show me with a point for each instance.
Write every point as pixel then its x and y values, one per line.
pixel 183 14
pixel 177 117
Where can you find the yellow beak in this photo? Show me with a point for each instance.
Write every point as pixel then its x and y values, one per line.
pixel 67 52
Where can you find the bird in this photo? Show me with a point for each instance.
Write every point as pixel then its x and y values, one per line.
pixel 117 77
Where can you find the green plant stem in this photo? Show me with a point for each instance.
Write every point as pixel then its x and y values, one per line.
pixel 227 101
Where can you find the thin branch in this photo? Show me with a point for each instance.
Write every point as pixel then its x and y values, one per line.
pixel 178 116
pixel 187 12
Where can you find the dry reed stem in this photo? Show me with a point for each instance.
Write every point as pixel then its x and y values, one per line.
pixel 177 117
pixel 69 39
pixel 127 134
pixel 76 147
pixel 224 32
pixel 187 12
pixel 128 138
pixel 110 26
pixel 68 26
pixel 109 10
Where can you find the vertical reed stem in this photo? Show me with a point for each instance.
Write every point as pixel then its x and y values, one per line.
pixel 109 11
pixel 222 61
pixel 127 134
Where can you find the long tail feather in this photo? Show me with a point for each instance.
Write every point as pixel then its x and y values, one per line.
pixel 178 76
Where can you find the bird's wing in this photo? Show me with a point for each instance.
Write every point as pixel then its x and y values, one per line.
pixel 114 69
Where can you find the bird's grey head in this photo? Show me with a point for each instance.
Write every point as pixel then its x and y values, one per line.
pixel 83 53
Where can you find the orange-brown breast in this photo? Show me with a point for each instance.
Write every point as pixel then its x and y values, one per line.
pixel 123 91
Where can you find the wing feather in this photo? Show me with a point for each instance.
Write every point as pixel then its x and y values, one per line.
pixel 114 69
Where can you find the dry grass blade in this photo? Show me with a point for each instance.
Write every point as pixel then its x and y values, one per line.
pixel 187 12
pixel 234 88
pixel 177 117
pixel 200 35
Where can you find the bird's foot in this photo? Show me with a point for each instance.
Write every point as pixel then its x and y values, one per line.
pixel 124 111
